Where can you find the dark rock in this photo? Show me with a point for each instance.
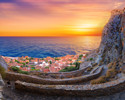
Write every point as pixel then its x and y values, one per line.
pixel 112 46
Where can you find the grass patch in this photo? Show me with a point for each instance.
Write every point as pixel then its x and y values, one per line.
pixel 2 72
pixel 47 67
pixel 17 70
pixel 101 79
pixel 89 69
pixel 80 57
pixel 68 69
pixel 109 76
pixel 91 59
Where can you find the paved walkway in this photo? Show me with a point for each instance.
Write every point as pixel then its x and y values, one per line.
pixel 18 95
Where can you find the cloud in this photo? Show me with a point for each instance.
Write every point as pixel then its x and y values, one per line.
pixel 46 7
pixel 54 14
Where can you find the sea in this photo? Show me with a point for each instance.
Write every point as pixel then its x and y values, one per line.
pixel 41 47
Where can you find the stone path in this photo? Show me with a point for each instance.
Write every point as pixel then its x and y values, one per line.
pixel 18 95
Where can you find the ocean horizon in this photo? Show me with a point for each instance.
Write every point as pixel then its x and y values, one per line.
pixel 41 47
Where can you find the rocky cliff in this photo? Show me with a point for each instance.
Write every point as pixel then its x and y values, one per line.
pixel 112 47
pixel 3 63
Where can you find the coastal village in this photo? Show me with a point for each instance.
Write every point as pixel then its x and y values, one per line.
pixel 46 65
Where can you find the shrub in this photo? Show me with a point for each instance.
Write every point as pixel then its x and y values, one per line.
pixel 17 61
pixel 57 58
pixel 91 59
pixel 77 64
pixel 15 69
pixel 27 58
pixel 23 72
pixel 80 57
pixel 101 79
pixel 32 67
pixel 2 72
pixel 35 69
pixel 68 69
pixel 50 62
pixel 24 64
pixel 47 67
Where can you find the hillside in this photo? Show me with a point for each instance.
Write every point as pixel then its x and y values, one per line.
pixel 112 46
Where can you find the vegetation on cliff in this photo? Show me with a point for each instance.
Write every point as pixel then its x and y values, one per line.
pixel 17 70
pixel 2 72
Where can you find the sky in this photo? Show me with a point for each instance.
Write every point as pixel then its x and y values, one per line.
pixel 55 17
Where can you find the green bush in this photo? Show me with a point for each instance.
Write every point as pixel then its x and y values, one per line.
pixel 35 69
pixel 32 67
pixel 23 72
pixel 17 61
pixel 68 69
pixel 57 58
pixel 47 67
pixel 50 62
pixel 80 57
pixel 91 59
pixel 77 64
pixel 24 64
pixel 15 69
pixel 2 72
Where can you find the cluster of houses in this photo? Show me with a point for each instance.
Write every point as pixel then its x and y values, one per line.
pixel 48 64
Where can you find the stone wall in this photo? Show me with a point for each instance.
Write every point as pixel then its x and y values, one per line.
pixel 60 74
pixel 74 90
pixel 34 79
pixel 1 87
pixel 3 63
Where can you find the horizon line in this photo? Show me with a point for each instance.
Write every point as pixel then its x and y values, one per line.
pixel 52 36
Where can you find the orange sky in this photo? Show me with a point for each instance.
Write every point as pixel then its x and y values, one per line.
pixel 55 17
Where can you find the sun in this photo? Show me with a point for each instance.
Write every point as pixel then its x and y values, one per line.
pixel 85 27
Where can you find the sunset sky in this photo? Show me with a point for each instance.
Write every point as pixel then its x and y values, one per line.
pixel 55 17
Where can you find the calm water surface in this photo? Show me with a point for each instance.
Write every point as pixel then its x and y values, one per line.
pixel 47 46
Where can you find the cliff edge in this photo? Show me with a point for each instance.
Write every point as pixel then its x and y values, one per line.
pixel 112 46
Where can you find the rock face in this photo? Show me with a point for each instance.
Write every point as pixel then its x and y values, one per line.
pixel 112 46
pixel 3 63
